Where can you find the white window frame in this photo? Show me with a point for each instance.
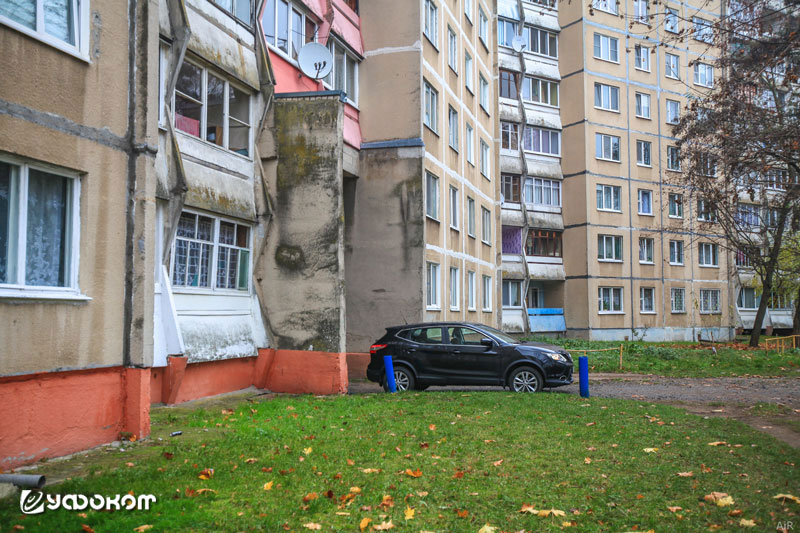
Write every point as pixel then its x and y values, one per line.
pixel 455 289
pixel 468 9
pixel 641 58
pixel 676 256
pixel 606 242
pixel 453 127
pixel 608 6
pixel 431 22
pixel 646 251
pixel 673 111
pixel 611 310
pixel 468 73
pixel 471 216
pixel 483 27
pixel 676 200
pixel 507 287
pixel 643 105
pixel 452 49
pixel 600 143
pixel 606 93
pixel 329 80
pixel 604 44
pixel 469 143
pixel 640 10
pixel 672 66
pixel 432 292
pixel 708 255
pixel 530 132
pixel 706 302
pixel 703 75
pixel 534 192
pixel 18 234
pixel 614 193
pixel 486 226
pixel 702 30
pixel 506 31
pixel 544 87
pixel 454 209
pixel 672 300
pixel 293 6
pixel 644 153
pixel 640 204
pixel 471 300
pixel 485 158
pixel 671 20
pixel 484 93
pixel 81 10
pixel 643 300
pixel 430 111
pixel 742 299
pixel 432 204
pixel 487 293
pixel 677 159
pixel 535 39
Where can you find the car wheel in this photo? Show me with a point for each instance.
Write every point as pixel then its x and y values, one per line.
pixel 403 379
pixel 525 379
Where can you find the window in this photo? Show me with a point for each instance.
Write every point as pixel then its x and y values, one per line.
pixel 484 95
pixel 543 243
pixel 706 211
pixel 609 248
pixel 645 202
pixel 432 22
pixel 673 158
pixel 432 197
pixel 676 252
pixel 486 226
pixel 344 75
pixel 506 31
pixel 484 159
pixel 238 8
pixel 453 207
pixel 709 301
pixel 432 286
pixel 470 216
pixel 510 188
pixel 487 293
pixel 470 145
pixel 483 26
pixel 468 72
pixel 540 91
pixel 424 335
pixel 703 75
pixel 163 62
pixel 607 147
pixel 58 23
pixel 673 111
pixel 677 300
pixel 431 106
pixel 285 27
pixel 643 153
pixel 509 136
pixel 747 298
pixel 541 141
pixel 609 6
pixel 707 165
pixel 452 49
pixel 672 67
pixel 508 84
pixel 780 301
pixel 512 293
pixel 540 41
pixel 608 198
pixel 743 257
pixel 646 250
pixel 642 105
pixel 207 103
pixel 609 299
pixel 606 48
pixel 452 118
pixel 540 191
pixel 471 290
pixel 39 227
pixel 640 11
pixel 468 11
pixel 671 20
pixel 707 254
pixel 675 205
pixel 642 57
pixel 748 215
pixel 606 97
pixel 211 253
pixel 647 297
pixel 455 289
pixel 701 29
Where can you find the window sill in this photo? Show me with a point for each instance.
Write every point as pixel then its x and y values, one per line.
pixel 643 165
pixel 672 77
pixel 709 266
pixel 432 130
pixel 454 228
pixel 453 69
pixel 609 261
pixel 209 292
pixel 608 160
pixel 483 42
pixel 610 210
pixel 469 89
pixel 606 60
pixel 673 217
pixel 433 218
pixel 647 263
pixel 678 312
pixel 455 309
pixel 617 111
pixel 486 177
pixel 710 312
pixel 50 41
pixel 485 310
pixel 611 312
pixel 644 118
pixel 642 70
pixel 487 243
pixel 471 235
pixel 647 313
pixel 646 214
pixel 431 308
pixel 677 264
pixel 40 294
pixel 428 38
pixel 472 309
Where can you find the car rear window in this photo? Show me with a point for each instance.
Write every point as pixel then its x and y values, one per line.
pixel 424 335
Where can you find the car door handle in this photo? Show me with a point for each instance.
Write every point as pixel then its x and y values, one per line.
pixel 411 350
pixel 456 351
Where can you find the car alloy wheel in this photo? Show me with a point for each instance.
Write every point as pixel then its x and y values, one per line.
pixel 402 380
pixel 526 380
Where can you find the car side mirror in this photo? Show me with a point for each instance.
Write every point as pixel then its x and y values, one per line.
pixel 486 341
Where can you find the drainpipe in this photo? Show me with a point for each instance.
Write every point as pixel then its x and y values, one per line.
pixel 23 481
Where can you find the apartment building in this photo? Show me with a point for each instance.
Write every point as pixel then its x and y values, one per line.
pixel 642 256
pixel 529 166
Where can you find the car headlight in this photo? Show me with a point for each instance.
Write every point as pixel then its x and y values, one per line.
pixel 557 357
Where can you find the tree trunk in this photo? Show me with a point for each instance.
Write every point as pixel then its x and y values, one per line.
pixel 796 323
pixel 762 308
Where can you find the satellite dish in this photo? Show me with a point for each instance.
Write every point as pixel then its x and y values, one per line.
pixel 518 43
pixel 315 60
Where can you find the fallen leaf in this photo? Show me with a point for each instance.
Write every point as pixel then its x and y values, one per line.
pixel 706 469
pixel 458 475
pixel 785 497
pixel 462 513
pixel 312 525
pixel 370 470
pixel 251 460
pixel 140 529
pixel 268 485
pixel 591 424
pixel 498 463
pixel 735 512
pixel 86 528
pixel 168 455
pixel 383 526
pixel 747 523
pixel 724 502
pixel 685 474
pixel 587 460
pixel 310 496
pixel 206 474
pixel 715 496
pixel 351 462
pixel 487 529
pixel 554 512
pixel 364 523
pixel 650 450
pixel 718 443
pixel 82 515
pixel 413 473
pixel 387 501
pixel 432 427
pixel 227 411
pixel 308 450
pixel 674 509
pixel 203 491
pixel 409 513
pixel 528 509
pixel 130 465
pixel 355 490
pixel 422 493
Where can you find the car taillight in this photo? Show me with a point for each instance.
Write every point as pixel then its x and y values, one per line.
pixel 375 347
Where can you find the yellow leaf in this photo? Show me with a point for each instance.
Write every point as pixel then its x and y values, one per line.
pixel 203 491
pixel 675 509
pixel 715 496
pixel 498 463
pixel 310 496
pixel 557 512
pixel 747 523
pixel 567 524
pixel 251 460
pixel 422 493
pixel 718 443
pixel 355 490
pixel 650 450
pixel 370 470
pixel 413 473
pixel 785 497
pixel 587 460
pixel 409 513
pixel 432 427
pixel 724 502
pixel 308 450
pixel 312 525
pixel 528 509
pixel 143 528
pixel 364 523
pixel 685 474
pixel 383 526
pixel 268 485
pixel 487 529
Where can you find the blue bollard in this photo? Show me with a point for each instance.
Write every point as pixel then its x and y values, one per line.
pixel 388 366
pixel 583 373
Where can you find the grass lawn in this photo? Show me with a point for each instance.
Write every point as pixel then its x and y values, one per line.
pixel 455 461
pixel 683 359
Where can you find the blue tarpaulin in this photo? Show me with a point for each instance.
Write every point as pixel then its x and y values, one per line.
pixel 546 319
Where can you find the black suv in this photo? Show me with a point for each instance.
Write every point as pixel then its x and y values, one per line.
pixel 461 353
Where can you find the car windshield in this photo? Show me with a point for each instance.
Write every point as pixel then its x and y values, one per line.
pixel 500 335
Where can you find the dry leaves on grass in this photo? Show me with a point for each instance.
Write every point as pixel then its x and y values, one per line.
pixel 268 485
pixel 487 529
pixel 747 523
pixel 785 497
pixel 409 513
pixel 722 499
pixel 310 496
pixel 383 526
pixel 685 474
pixel 542 513
pixel 498 463
pixel 718 443
pixel 364 523
pixel 650 450
pixel 142 529
pixel 386 502
pixel 674 509
pixel 250 460
pixel 312 525
pixel 206 474
pixel 370 470
pixel 413 473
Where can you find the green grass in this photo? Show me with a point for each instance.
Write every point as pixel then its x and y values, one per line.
pixel 683 359
pixel 489 454
pixel 777 413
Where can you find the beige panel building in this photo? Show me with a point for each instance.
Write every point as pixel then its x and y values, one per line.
pixel 642 258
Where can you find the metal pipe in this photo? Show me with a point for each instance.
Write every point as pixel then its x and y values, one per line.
pixel 21 480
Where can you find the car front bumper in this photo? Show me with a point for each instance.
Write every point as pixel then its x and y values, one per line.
pixel 558 375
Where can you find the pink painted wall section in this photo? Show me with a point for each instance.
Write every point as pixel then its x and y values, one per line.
pixel 347 25
pixel 299 372
pixel 289 79
pixel 357 363
pixel 215 377
pixel 352 128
